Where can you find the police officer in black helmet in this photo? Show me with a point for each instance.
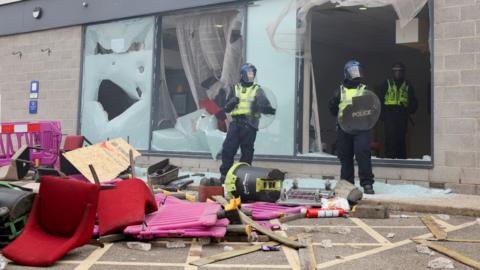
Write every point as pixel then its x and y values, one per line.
pixel 398 102
pixel 245 104
pixel 357 143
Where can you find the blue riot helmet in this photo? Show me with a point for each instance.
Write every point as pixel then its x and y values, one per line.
pixel 248 73
pixel 353 70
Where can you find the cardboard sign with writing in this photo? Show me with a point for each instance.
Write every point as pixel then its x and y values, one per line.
pixel 109 159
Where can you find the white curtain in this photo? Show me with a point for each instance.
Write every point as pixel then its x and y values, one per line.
pixel 211 55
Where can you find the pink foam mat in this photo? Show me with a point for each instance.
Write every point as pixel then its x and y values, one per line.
pixel 266 210
pixel 148 232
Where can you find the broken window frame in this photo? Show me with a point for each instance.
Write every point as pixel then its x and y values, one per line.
pixel 302 77
pixel 132 48
pixel 158 81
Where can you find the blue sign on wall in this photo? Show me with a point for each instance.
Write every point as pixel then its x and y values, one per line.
pixel 34 89
pixel 33 106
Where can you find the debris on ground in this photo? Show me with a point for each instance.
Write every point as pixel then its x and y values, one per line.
pixel 327 243
pixel 443 217
pixel 228 248
pixel 284 227
pixel 176 244
pixel 312 229
pixel 341 230
pixel 390 235
pixel 425 250
pixel 204 241
pixel 270 248
pixel 3 263
pixel 139 246
pixel 441 263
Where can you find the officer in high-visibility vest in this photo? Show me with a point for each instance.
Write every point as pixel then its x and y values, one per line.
pixel 246 103
pixel 398 102
pixel 350 144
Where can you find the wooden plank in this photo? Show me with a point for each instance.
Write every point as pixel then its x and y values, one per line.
pixel 231 254
pixel 451 253
pixel 112 238
pixel 453 240
pixel 132 162
pixel 94 174
pixel 290 253
pixel 434 228
pixel 193 254
pixel 292 217
pixel 374 234
pixel 306 254
pixel 247 220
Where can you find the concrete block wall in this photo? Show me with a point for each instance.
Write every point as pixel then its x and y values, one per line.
pixel 457 95
pixel 58 73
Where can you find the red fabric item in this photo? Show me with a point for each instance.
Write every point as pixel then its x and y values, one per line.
pixel 62 219
pixel 212 108
pixel 125 205
pixel 73 142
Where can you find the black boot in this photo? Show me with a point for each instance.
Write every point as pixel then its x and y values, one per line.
pixel 368 189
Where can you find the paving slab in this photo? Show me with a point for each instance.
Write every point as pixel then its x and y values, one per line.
pixel 258 257
pixel 121 253
pixel 401 234
pixel 133 267
pixel 400 258
pixel 357 235
pixel 56 266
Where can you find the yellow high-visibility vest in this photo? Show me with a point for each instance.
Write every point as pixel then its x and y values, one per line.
pixel 246 97
pixel 395 96
pixel 346 96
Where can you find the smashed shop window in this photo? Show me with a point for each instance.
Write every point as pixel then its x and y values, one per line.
pixel 117 76
pixel 378 28
pixel 202 53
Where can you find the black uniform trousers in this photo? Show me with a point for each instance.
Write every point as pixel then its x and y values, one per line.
pixel 395 127
pixel 239 134
pixel 358 145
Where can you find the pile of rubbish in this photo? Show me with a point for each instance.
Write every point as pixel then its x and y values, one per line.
pixel 78 195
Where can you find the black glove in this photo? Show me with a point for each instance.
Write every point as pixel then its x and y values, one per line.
pixel 269 110
pixel 231 104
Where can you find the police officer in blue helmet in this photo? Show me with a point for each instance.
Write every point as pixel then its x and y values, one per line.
pixel 245 103
pixel 350 144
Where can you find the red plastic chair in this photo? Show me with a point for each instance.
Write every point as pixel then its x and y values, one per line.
pixel 62 219
pixel 125 205
pixel 73 142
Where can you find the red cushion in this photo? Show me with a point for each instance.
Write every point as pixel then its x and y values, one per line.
pixel 125 205
pixel 63 203
pixel 36 247
pixel 73 142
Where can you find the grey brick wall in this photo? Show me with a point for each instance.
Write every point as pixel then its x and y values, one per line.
pixel 457 95
pixel 59 76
